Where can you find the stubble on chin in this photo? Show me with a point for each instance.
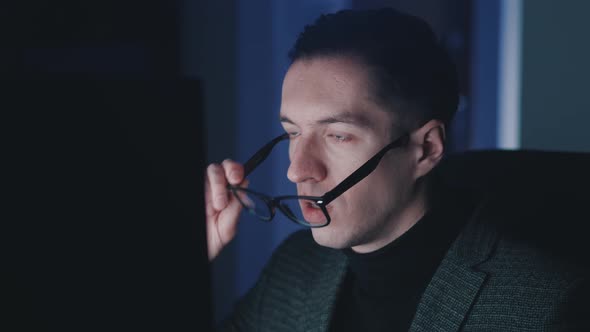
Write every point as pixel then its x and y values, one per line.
pixel 329 237
pixel 333 237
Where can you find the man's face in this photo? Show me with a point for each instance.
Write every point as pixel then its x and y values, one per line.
pixel 336 125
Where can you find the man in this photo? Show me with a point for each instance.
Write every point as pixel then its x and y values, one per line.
pixel 365 105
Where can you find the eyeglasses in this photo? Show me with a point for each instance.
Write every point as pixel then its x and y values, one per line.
pixel 308 211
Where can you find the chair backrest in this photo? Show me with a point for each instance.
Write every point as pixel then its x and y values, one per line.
pixel 541 196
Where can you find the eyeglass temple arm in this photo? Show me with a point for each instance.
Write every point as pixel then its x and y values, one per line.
pixel 363 171
pixel 261 154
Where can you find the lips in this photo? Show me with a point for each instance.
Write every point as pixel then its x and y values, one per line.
pixel 312 213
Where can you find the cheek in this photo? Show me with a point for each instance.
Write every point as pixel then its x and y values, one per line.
pixel 370 197
pixel 382 191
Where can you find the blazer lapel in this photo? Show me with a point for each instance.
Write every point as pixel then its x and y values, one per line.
pixel 321 295
pixel 448 297
pixel 457 281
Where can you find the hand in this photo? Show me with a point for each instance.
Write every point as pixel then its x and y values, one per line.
pixel 222 207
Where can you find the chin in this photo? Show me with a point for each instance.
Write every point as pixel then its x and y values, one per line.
pixel 329 237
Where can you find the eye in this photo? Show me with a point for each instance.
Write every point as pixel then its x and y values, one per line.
pixel 339 138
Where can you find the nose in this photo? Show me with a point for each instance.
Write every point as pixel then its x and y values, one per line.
pixel 306 162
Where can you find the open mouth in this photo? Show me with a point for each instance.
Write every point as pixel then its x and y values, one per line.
pixel 312 213
pixel 312 205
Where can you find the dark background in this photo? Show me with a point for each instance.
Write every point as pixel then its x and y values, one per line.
pixel 103 206
pixel 97 38
pixel 104 151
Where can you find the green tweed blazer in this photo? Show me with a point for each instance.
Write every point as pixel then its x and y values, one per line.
pixel 489 280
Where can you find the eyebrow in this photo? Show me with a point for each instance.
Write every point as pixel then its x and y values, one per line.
pixel 355 119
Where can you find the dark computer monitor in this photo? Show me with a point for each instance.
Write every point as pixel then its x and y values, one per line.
pixel 103 222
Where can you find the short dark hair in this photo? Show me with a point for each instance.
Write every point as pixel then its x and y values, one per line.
pixel 411 70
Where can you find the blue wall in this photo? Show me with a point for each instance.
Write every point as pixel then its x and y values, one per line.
pixel 484 74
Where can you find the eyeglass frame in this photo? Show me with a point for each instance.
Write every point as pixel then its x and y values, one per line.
pixel 320 201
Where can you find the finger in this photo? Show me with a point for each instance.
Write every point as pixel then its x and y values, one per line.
pixel 234 171
pixel 227 224
pixel 218 184
pixel 209 209
pixel 242 195
pixel 223 229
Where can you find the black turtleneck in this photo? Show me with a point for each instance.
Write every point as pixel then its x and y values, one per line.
pixel 382 289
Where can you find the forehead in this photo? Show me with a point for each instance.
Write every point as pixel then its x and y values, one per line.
pixel 328 86
pixel 327 78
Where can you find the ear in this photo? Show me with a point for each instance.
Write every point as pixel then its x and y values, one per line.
pixel 429 144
